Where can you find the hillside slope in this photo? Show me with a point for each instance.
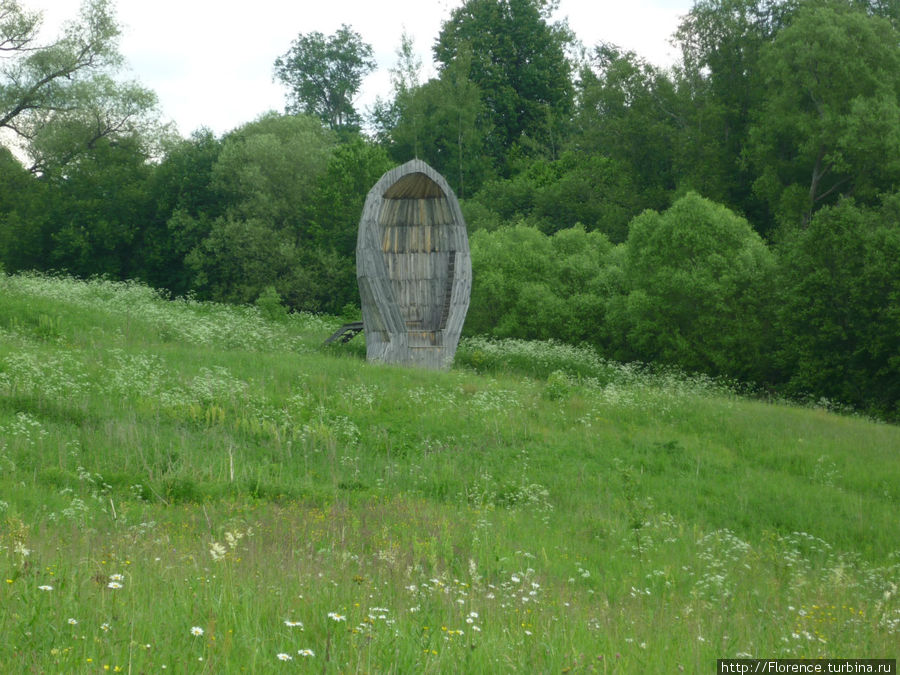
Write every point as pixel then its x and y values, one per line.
pixel 195 486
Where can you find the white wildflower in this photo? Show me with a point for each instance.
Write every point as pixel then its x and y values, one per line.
pixel 217 551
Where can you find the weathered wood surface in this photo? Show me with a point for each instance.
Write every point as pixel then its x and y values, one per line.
pixel 346 332
pixel 413 268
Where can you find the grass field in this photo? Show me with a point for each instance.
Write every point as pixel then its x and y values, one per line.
pixel 194 488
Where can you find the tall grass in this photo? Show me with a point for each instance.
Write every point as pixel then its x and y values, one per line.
pixel 197 488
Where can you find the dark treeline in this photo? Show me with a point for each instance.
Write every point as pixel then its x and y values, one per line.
pixel 737 214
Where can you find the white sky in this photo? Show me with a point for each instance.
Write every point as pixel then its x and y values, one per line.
pixel 210 61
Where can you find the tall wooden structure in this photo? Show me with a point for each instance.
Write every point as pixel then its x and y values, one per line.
pixel 413 268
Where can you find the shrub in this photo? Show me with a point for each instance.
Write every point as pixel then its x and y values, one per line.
pixel 840 306
pixel 531 286
pixel 696 292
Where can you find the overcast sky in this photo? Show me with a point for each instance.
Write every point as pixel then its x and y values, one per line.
pixel 210 61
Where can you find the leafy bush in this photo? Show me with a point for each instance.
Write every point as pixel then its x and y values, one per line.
pixel 840 306
pixel 583 189
pixel 697 292
pixel 269 304
pixel 531 286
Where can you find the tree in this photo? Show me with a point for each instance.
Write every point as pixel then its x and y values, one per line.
pixel 628 111
pixel 59 98
pixel 532 286
pixel 590 190
pixel 518 62
pixel 386 115
pixel 268 174
pixel 579 188
pixel 41 78
pixel 269 168
pixel 829 123
pixel 24 224
pixel 697 292
pixel 720 87
pixel 98 210
pixel 336 204
pixel 323 74
pixel 839 306
pixel 239 258
pixel 340 192
pixel 442 122
pixel 102 109
pixel 184 204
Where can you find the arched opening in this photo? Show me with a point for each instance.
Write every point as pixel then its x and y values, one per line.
pixel 417 244
pixel 414 186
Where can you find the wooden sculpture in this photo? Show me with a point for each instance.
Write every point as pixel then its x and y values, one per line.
pixel 413 268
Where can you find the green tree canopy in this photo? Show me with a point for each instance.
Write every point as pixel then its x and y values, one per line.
pixel 720 87
pixel 579 188
pixel 183 203
pixel 628 111
pixel 24 219
pixel 59 98
pixel 443 122
pixel 385 115
pixel 829 123
pixel 323 75
pixel 533 286
pixel 697 291
pixel 290 197
pixel 839 306
pixel 340 193
pixel 99 209
pixel 517 59
pixel 268 169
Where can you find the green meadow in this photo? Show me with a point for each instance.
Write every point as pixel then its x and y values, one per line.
pixel 189 487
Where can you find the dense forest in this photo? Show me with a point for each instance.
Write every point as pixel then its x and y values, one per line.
pixel 737 214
